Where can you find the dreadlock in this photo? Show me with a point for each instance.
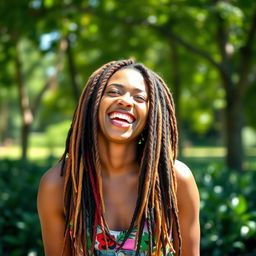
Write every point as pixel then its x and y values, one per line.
pixel 156 203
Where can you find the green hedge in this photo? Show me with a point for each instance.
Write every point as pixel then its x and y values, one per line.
pixel 19 223
pixel 228 212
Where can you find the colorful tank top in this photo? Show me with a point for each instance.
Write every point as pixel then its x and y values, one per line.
pixel 118 236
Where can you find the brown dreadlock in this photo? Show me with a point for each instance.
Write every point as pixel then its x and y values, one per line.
pixel 156 203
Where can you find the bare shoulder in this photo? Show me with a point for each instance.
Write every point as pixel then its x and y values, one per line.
pixel 50 191
pixel 182 171
pixel 186 185
pixel 50 205
pixel 188 202
pixel 52 177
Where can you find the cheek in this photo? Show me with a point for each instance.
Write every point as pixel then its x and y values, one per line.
pixel 144 115
pixel 101 113
pixel 102 107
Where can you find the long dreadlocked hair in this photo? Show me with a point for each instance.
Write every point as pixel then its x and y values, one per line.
pixel 156 203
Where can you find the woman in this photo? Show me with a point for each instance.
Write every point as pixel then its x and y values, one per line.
pixel 124 191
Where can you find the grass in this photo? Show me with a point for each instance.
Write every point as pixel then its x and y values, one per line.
pixel 34 153
pixel 201 156
pixel 195 155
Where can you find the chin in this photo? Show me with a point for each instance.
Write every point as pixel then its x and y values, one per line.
pixel 119 136
pixel 121 139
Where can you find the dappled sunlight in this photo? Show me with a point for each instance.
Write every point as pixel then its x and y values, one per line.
pixel 34 153
pixel 204 152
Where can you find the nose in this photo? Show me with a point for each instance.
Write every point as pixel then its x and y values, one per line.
pixel 126 100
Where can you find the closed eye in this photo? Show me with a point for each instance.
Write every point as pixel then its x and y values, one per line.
pixel 113 92
pixel 140 98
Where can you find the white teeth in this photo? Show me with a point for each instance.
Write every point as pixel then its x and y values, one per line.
pixel 121 116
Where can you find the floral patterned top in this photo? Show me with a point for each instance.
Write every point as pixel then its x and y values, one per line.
pixel 118 236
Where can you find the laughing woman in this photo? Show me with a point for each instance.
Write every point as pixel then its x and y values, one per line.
pixel 118 189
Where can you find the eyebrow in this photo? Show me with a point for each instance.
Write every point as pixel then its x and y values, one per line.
pixel 122 87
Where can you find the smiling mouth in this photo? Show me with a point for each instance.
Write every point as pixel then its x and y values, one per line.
pixel 121 118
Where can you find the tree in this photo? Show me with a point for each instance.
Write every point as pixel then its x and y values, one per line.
pixel 163 34
pixel 232 58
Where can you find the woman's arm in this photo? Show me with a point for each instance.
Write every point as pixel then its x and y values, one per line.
pixel 51 214
pixel 188 206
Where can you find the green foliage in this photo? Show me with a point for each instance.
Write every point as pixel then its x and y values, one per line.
pixel 19 223
pixel 228 213
pixel 100 31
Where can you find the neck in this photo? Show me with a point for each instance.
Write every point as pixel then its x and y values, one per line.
pixel 116 158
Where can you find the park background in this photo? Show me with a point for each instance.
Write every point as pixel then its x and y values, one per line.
pixel 206 52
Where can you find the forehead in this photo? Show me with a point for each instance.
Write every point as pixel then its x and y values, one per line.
pixel 128 77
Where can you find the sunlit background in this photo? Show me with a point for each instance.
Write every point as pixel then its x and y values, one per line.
pixel 205 51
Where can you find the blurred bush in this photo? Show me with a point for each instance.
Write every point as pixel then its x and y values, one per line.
pixel 228 212
pixel 19 223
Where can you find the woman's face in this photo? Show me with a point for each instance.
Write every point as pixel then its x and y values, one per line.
pixel 123 109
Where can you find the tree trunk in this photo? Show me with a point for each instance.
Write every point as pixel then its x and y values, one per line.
pixel 3 121
pixel 234 124
pixel 27 111
pixel 24 139
pixel 26 114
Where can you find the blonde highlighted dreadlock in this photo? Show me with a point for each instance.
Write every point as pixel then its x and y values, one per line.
pixel 156 203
